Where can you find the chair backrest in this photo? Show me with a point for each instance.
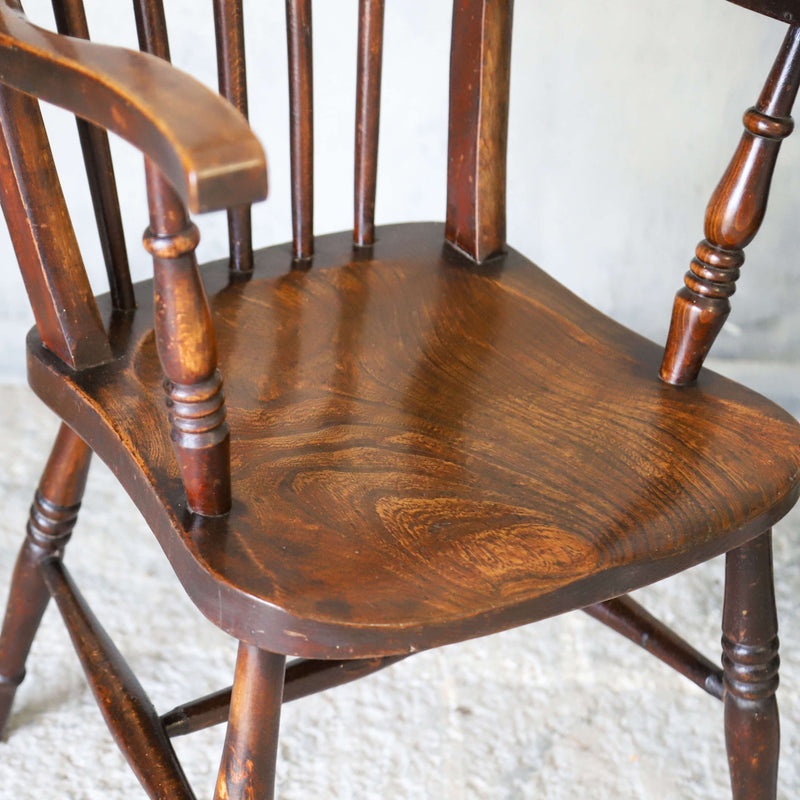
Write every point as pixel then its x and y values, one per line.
pixel 66 314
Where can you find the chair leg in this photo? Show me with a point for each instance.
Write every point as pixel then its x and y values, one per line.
pixel 52 518
pixel 247 771
pixel 750 661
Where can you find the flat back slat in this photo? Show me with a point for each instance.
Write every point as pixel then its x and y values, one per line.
pixel 71 20
pixel 232 73
pixel 44 241
pixel 301 125
pixel 480 63
pixel 368 100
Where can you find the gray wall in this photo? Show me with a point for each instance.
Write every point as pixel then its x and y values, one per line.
pixel 623 115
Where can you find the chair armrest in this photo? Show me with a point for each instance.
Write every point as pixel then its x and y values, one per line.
pixel 202 144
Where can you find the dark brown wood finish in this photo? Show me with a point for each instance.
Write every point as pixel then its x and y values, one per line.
pixel 213 165
pixel 480 67
pixel 750 659
pixel 52 518
pixel 44 241
pixel 303 678
pixel 229 30
pixel 440 447
pixel 71 20
pixel 784 10
pixel 431 440
pixel 183 327
pixel 626 616
pixel 251 744
pixel 301 125
pixel 128 712
pixel 733 217
pixel 368 101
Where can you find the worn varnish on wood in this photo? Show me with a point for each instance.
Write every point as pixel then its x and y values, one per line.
pixel 431 440
pixel 418 479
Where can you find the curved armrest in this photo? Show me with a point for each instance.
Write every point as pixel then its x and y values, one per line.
pixel 202 144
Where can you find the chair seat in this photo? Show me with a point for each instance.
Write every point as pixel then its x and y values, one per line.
pixel 424 450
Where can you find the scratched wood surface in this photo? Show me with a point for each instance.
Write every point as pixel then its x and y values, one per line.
pixel 424 450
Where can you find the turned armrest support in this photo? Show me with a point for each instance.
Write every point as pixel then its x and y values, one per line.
pixel 197 139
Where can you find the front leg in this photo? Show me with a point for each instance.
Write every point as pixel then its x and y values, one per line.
pixel 750 661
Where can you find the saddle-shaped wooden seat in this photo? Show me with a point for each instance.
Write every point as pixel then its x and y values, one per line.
pixel 380 441
pixel 424 448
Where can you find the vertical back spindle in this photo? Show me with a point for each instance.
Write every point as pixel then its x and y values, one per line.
pixel 231 69
pixel 480 65
pixel 71 21
pixel 368 100
pixel 301 125
pixel 183 325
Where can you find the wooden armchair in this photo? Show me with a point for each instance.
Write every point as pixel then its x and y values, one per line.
pixel 423 438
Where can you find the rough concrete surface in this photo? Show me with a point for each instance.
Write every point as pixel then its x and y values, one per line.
pixel 560 709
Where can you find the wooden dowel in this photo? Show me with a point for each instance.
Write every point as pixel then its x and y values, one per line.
pixel 626 616
pixel 303 677
pixel 71 21
pixel 232 76
pixel 127 710
pixel 368 101
pixel 301 125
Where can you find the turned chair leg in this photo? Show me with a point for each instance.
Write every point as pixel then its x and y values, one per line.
pixel 52 518
pixel 247 771
pixel 750 661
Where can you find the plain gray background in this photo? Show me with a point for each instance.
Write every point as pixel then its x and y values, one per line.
pixel 624 114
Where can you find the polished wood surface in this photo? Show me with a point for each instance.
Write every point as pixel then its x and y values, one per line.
pixel 71 20
pixel 303 677
pixel 750 660
pixel 423 438
pixel 43 238
pixel 480 69
pixel 301 124
pixel 733 217
pixel 784 10
pixel 184 331
pixel 127 710
pixel 368 104
pixel 217 164
pixel 247 770
pixel 232 79
pixel 443 450
pixel 51 520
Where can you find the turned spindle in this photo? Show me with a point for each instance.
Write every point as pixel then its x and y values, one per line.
pixel 183 325
pixel 733 217
pixel 188 353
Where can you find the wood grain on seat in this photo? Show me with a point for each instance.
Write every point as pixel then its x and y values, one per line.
pixel 419 442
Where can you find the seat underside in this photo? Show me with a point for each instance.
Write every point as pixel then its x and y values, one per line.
pixel 424 450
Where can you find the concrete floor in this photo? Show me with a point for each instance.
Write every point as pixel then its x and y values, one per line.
pixel 560 709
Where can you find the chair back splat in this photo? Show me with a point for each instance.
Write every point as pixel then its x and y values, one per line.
pixel 423 437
